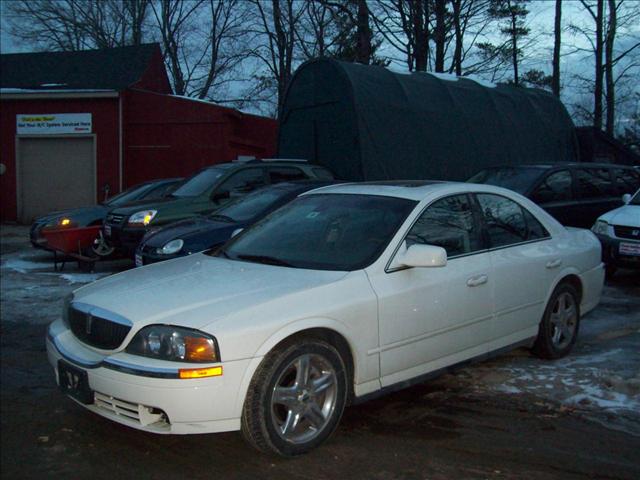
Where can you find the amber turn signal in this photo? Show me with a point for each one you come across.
(200, 372)
(199, 349)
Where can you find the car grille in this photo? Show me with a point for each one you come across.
(135, 412)
(97, 331)
(622, 231)
(115, 219)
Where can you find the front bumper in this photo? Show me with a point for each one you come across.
(611, 252)
(131, 390)
(124, 239)
(36, 238)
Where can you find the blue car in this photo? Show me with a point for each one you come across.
(95, 214)
(205, 232)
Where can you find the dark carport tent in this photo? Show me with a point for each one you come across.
(369, 123)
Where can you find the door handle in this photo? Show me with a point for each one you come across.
(477, 280)
(554, 263)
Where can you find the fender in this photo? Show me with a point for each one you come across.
(285, 332)
(565, 272)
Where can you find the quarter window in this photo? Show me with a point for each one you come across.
(448, 223)
(554, 188)
(507, 222)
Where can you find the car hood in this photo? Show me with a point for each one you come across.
(199, 228)
(156, 204)
(197, 290)
(628, 215)
(82, 215)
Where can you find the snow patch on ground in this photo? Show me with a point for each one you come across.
(21, 265)
(82, 277)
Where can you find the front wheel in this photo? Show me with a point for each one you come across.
(558, 329)
(296, 398)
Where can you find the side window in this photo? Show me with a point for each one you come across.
(554, 188)
(448, 223)
(285, 174)
(594, 182)
(507, 222)
(240, 184)
(158, 192)
(536, 230)
(627, 180)
(322, 173)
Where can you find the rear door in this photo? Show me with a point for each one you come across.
(596, 193)
(524, 258)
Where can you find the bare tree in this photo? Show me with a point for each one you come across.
(557, 37)
(77, 24)
(615, 68)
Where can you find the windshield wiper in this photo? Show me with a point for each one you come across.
(265, 259)
(222, 218)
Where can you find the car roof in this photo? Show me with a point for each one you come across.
(562, 165)
(409, 189)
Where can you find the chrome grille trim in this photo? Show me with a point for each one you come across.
(624, 231)
(96, 326)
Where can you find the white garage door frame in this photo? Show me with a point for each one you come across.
(92, 136)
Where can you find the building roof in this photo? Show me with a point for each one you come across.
(110, 68)
(369, 123)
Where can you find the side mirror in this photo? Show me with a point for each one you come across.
(626, 198)
(423, 256)
(236, 232)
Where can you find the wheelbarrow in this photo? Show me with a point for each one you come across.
(72, 242)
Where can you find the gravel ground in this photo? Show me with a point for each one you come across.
(512, 417)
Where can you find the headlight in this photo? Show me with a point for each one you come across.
(176, 344)
(600, 227)
(65, 222)
(66, 304)
(142, 218)
(172, 247)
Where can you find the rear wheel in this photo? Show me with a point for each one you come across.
(296, 398)
(558, 329)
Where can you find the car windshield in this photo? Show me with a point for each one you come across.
(128, 195)
(323, 231)
(519, 179)
(199, 183)
(245, 208)
(635, 200)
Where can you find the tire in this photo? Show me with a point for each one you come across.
(560, 323)
(289, 412)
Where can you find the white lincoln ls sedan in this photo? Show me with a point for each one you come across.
(349, 291)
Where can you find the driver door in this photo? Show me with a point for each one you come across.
(433, 317)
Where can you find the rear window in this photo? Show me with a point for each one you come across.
(517, 179)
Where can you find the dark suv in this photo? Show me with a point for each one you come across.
(575, 194)
(203, 193)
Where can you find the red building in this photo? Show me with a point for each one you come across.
(76, 126)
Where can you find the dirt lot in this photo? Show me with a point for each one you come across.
(512, 417)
